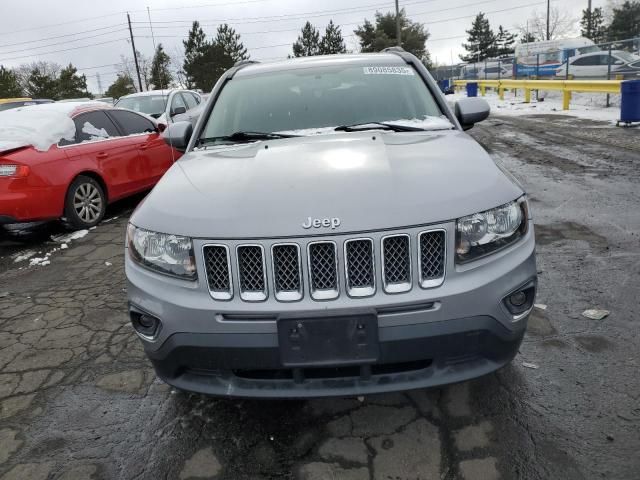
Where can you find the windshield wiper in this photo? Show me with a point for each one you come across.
(246, 137)
(377, 126)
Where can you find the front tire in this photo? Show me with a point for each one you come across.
(85, 203)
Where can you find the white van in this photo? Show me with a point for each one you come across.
(542, 59)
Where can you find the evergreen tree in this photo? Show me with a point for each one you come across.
(308, 43)
(160, 73)
(505, 42)
(194, 48)
(481, 41)
(332, 41)
(9, 84)
(527, 37)
(383, 34)
(42, 83)
(229, 40)
(122, 85)
(626, 21)
(214, 61)
(70, 84)
(592, 25)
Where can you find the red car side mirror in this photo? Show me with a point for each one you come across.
(161, 127)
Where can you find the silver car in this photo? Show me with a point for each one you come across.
(330, 231)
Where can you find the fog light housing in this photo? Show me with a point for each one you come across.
(146, 325)
(520, 301)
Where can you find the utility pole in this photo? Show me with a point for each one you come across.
(590, 22)
(99, 83)
(398, 30)
(548, 9)
(135, 55)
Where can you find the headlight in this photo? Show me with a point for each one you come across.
(164, 253)
(485, 232)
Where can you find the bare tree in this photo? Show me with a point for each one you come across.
(24, 71)
(561, 24)
(127, 66)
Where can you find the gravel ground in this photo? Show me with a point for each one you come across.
(78, 399)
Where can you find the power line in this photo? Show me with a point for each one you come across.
(65, 49)
(64, 42)
(41, 27)
(61, 36)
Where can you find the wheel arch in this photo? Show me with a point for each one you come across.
(96, 176)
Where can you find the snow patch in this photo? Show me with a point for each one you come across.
(39, 125)
(69, 237)
(24, 256)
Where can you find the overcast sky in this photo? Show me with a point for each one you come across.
(95, 36)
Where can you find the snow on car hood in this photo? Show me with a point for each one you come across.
(370, 180)
(38, 125)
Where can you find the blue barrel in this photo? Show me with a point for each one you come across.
(472, 89)
(630, 102)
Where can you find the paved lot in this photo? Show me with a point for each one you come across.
(78, 399)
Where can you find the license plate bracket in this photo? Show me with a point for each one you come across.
(327, 341)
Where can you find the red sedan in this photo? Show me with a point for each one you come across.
(50, 170)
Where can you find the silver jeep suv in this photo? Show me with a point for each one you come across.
(331, 230)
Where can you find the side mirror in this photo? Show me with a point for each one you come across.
(618, 62)
(471, 110)
(161, 127)
(178, 111)
(177, 135)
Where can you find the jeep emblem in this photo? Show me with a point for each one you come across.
(321, 222)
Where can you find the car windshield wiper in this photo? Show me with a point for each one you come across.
(245, 137)
(377, 126)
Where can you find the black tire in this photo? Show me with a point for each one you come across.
(85, 203)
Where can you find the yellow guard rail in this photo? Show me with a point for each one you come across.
(567, 87)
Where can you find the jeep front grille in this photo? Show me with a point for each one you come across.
(287, 272)
(358, 255)
(323, 270)
(396, 263)
(432, 258)
(251, 273)
(326, 268)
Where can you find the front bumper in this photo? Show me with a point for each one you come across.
(411, 356)
(457, 331)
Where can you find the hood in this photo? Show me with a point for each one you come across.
(369, 180)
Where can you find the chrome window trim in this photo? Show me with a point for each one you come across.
(396, 287)
(359, 292)
(287, 295)
(326, 294)
(219, 294)
(253, 296)
(433, 282)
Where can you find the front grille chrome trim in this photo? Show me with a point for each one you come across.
(432, 282)
(286, 295)
(396, 287)
(359, 292)
(252, 295)
(224, 295)
(323, 294)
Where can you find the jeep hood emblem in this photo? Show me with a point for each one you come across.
(332, 223)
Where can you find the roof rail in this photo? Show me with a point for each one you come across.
(244, 62)
(393, 49)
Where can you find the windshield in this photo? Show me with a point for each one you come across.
(321, 98)
(626, 56)
(153, 105)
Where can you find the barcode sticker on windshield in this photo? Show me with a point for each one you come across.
(388, 71)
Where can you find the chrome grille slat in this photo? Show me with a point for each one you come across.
(287, 272)
(359, 267)
(431, 258)
(323, 270)
(251, 272)
(218, 269)
(396, 263)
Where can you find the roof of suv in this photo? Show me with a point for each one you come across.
(322, 61)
